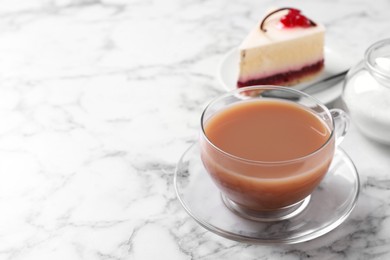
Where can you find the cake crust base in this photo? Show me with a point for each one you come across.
(287, 78)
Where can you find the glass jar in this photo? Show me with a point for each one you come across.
(366, 92)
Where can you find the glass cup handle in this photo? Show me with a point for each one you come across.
(341, 124)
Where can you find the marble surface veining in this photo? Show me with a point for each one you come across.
(99, 99)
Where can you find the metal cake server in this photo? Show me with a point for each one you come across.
(324, 83)
(310, 88)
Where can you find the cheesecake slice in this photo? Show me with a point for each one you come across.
(285, 49)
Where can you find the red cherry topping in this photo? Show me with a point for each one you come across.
(286, 21)
(293, 18)
(294, 11)
(302, 21)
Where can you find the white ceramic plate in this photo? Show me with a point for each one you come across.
(335, 63)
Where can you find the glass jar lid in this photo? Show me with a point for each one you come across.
(377, 59)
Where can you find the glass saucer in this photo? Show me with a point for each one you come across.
(329, 205)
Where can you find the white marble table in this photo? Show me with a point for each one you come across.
(99, 99)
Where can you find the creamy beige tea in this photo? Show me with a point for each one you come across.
(266, 154)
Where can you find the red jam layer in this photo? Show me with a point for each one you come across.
(285, 78)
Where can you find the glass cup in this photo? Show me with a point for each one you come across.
(270, 198)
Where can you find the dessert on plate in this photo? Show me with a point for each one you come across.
(285, 48)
